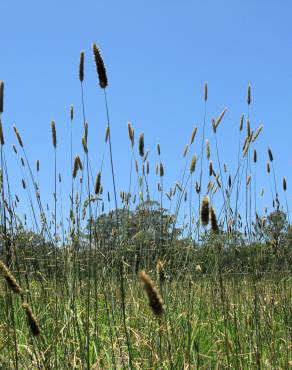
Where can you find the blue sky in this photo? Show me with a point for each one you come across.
(158, 55)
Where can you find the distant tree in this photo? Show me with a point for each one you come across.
(276, 227)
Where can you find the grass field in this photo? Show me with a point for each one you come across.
(122, 282)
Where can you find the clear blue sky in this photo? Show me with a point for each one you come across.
(158, 55)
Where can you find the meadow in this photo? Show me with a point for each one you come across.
(195, 276)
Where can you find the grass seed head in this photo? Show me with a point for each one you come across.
(193, 164)
(161, 169)
(141, 145)
(81, 66)
(76, 166)
(241, 123)
(220, 118)
(100, 68)
(10, 279)
(2, 142)
(18, 136)
(98, 183)
(214, 223)
(193, 135)
(205, 211)
(258, 131)
(71, 112)
(107, 132)
(154, 296)
(248, 128)
(210, 168)
(1, 96)
(32, 320)
(84, 144)
(54, 134)
(270, 154)
(131, 133)
(284, 184)
(158, 149)
(248, 94)
(160, 271)
(208, 152)
(206, 91)
(268, 167)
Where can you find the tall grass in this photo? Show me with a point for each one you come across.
(216, 277)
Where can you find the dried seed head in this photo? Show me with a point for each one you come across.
(146, 156)
(160, 271)
(158, 149)
(248, 128)
(193, 164)
(205, 211)
(258, 131)
(255, 156)
(206, 91)
(1, 96)
(248, 95)
(32, 320)
(76, 166)
(100, 68)
(268, 167)
(208, 152)
(14, 149)
(220, 117)
(1, 134)
(97, 183)
(10, 279)
(71, 112)
(54, 134)
(107, 132)
(141, 145)
(38, 165)
(198, 188)
(214, 224)
(241, 123)
(246, 148)
(86, 131)
(131, 133)
(23, 184)
(193, 135)
(84, 144)
(270, 154)
(154, 296)
(185, 150)
(81, 66)
(213, 122)
(22, 161)
(284, 184)
(248, 180)
(161, 170)
(18, 136)
(210, 168)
